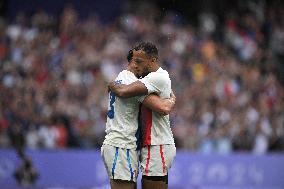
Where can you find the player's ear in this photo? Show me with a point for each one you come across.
(154, 60)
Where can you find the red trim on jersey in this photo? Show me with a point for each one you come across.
(163, 159)
(148, 161)
(146, 115)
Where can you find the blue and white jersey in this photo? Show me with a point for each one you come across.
(122, 116)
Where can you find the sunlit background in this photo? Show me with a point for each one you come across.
(225, 60)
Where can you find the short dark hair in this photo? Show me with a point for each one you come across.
(149, 48)
(130, 55)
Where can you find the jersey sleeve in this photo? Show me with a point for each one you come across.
(154, 82)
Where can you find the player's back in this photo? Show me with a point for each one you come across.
(122, 117)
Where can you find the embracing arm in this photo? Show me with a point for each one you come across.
(162, 106)
(136, 88)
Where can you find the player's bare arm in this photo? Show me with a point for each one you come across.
(162, 106)
(136, 88)
(152, 101)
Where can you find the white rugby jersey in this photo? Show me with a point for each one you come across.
(122, 116)
(156, 127)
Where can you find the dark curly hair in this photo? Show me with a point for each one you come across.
(129, 56)
(149, 48)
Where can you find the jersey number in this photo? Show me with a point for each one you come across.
(110, 113)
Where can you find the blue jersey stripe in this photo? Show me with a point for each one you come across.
(114, 162)
(129, 164)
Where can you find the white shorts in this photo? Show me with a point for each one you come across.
(120, 163)
(156, 160)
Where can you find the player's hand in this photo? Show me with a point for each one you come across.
(110, 85)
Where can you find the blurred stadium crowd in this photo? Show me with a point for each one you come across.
(54, 71)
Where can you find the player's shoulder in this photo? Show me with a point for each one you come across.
(160, 74)
(160, 71)
(125, 73)
(158, 78)
(164, 72)
(126, 76)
